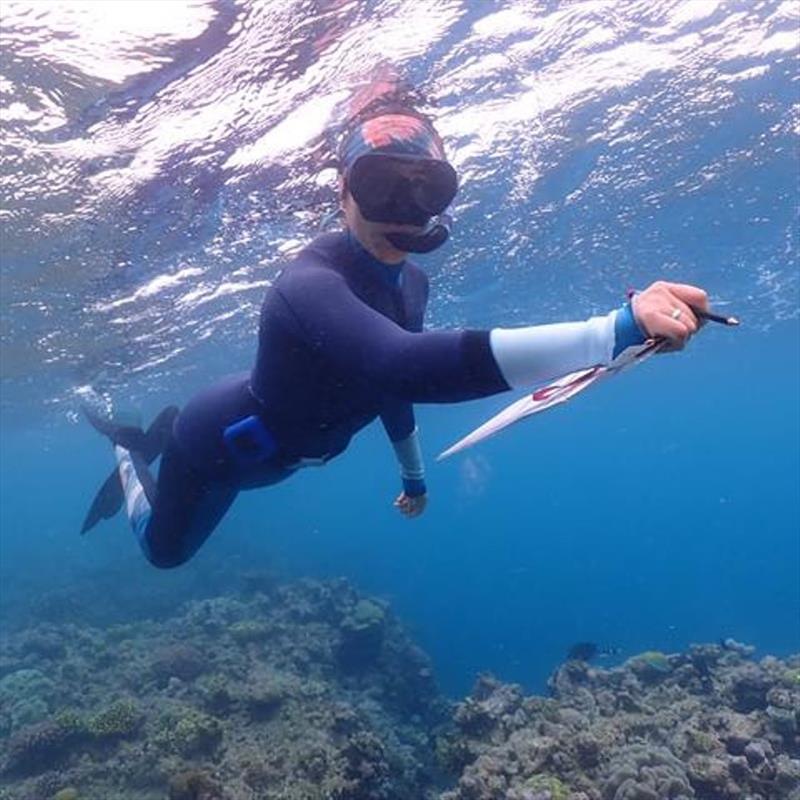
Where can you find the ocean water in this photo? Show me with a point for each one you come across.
(158, 162)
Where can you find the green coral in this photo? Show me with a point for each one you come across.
(547, 784)
(117, 720)
(248, 631)
(791, 678)
(700, 741)
(367, 613)
(654, 659)
(70, 720)
(189, 732)
(651, 666)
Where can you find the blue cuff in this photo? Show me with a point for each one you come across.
(413, 487)
(627, 332)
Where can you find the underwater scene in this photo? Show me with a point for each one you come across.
(262, 262)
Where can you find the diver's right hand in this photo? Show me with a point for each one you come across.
(664, 311)
(411, 506)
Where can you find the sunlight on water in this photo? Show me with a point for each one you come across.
(82, 35)
(157, 166)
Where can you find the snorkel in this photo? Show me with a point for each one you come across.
(392, 162)
(435, 234)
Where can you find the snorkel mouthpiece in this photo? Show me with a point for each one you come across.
(435, 235)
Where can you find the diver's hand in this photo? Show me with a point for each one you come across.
(664, 311)
(411, 506)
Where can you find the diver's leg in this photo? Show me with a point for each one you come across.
(206, 514)
(136, 481)
(159, 433)
(184, 513)
(137, 445)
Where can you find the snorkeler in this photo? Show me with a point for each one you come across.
(341, 342)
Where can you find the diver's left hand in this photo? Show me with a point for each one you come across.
(411, 506)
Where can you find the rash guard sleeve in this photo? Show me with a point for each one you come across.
(398, 420)
(412, 467)
(527, 356)
(426, 367)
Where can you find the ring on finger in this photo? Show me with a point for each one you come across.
(676, 313)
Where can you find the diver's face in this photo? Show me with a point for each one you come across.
(372, 235)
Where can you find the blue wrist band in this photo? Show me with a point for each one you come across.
(627, 332)
(414, 487)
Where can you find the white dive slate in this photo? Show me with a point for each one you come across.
(555, 393)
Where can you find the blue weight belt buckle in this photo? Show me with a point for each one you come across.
(249, 441)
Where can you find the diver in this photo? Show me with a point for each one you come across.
(341, 342)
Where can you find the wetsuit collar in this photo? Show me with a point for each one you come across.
(390, 273)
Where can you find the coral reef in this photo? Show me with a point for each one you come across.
(709, 724)
(70, 793)
(187, 732)
(182, 661)
(118, 720)
(193, 785)
(307, 691)
(25, 698)
(361, 635)
(38, 747)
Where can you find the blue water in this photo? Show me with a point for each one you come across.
(155, 171)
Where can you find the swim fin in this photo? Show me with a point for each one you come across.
(131, 437)
(150, 444)
(107, 502)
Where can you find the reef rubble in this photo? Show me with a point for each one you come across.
(310, 691)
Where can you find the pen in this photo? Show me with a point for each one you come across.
(707, 315)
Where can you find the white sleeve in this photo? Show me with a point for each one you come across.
(527, 356)
(409, 456)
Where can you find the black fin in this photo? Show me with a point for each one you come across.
(128, 436)
(109, 499)
(107, 502)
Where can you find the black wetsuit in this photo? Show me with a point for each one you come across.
(340, 343)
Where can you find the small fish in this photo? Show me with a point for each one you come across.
(586, 651)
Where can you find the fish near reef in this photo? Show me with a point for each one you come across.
(586, 651)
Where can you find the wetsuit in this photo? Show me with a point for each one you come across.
(340, 343)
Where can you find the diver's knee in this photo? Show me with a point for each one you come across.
(166, 559)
